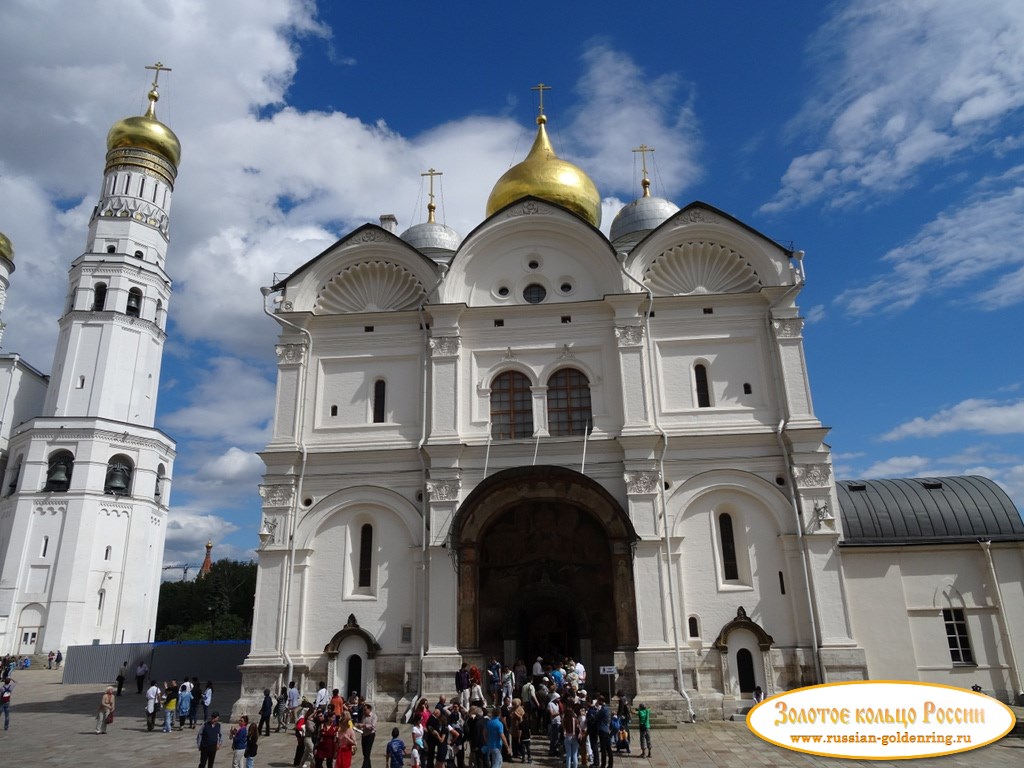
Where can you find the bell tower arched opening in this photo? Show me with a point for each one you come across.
(544, 558)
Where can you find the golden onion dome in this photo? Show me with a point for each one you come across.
(146, 132)
(542, 174)
(6, 249)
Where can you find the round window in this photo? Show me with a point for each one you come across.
(566, 287)
(533, 264)
(534, 293)
(503, 291)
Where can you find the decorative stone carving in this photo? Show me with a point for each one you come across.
(698, 216)
(566, 353)
(509, 355)
(813, 475)
(374, 236)
(789, 328)
(701, 268)
(645, 482)
(290, 354)
(371, 286)
(528, 208)
(444, 490)
(629, 335)
(270, 525)
(277, 495)
(445, 346)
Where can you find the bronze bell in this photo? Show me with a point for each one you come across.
(117, 479)
(134, 302)
(58, 473)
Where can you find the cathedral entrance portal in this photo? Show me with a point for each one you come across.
(545, 568)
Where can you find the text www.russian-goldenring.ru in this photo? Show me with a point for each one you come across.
(885, 739)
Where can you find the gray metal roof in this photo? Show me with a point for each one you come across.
(926, 510)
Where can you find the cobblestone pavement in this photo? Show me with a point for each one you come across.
(54, 725)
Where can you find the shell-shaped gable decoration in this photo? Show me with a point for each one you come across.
(701, 268)
(370, 286)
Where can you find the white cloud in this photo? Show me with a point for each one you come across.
(229, 400)
(904, 85)
(974, 248)
(815, 314)
(187, 534)
(972, 415)
(900, 466)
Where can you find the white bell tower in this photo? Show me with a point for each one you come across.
(84, 545)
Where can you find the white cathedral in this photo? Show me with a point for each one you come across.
(85, 474)
(541, 441)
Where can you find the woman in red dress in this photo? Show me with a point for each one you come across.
(327, 745)
(346, 745)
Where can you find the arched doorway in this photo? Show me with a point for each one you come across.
(351, 651)
(544, 558)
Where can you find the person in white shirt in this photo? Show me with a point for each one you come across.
(323, 698)
(153, 696)
(538, 667)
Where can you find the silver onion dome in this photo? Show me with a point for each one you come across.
(638, 218)
(431, 238)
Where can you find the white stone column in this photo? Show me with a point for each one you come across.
(289, 369)
(444, 387)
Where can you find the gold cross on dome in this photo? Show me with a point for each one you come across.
(540, 88)
(643, 149)
(430, 206)
(157, 69)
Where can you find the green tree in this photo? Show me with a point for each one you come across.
(217, 606)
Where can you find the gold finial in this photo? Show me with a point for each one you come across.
(540, 88)
(430, 206)
(154, 93)
(643, 149)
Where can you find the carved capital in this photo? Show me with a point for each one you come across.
(645, 482)
(277, 495)
(789, 328)
(290, 354)
(813, 475)
(629, 335)
(445, 346)
(444, 490)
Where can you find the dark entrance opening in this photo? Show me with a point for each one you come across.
(354, 673)
(545, 572)
(545, 568)
(745, 670)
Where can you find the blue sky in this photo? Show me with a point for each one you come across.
(884, 139)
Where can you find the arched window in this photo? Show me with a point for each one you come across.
(46, 546)
(159, 488)
(119, 475)
(99, 606)
(511, 407)
(730, 569)
(694, 626)
(569, 403)
(700, 380)
(12, 486)
(134, 307)
(379, 400)
(99, 297)
(106, 553)
(365, 556)
(58, 472)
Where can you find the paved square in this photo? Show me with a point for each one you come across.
(54, 725)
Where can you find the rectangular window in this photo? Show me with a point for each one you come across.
(956, 636)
